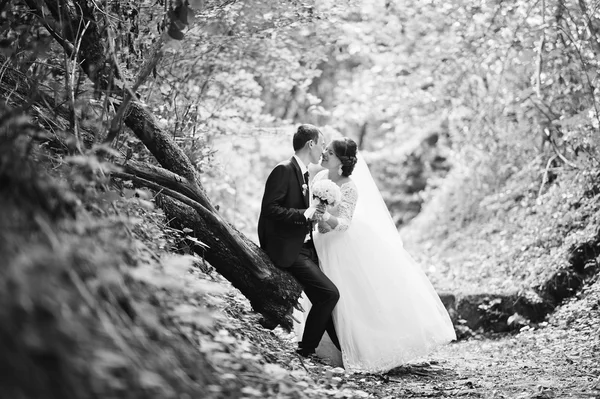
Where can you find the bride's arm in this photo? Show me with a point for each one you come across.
(346, 210)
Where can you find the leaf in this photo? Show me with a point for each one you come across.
(251, 391)
(145, 204)
(168, 279)
(197, 4)
(150, 380)
(193, 315)
(206, 287)
(196, 241)
(516, 319)
(109, 196)
(108, 366)
(275, 370)
(92, 163)
(128, 193)
(182, 262)
(171, 43)
(104, 148)
(143, 194)
(110, 276)
(579, 119)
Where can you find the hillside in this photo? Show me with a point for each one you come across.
(136, 137)
(100, 301)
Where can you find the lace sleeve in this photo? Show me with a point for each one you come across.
(346, 208)
(344, 211)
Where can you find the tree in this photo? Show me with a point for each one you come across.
(95, 46)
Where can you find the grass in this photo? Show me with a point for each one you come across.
(512, 238)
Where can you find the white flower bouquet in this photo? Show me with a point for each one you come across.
(325, 192)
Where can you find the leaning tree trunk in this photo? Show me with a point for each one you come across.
(269, 289)
(272, 296)
(271, 292)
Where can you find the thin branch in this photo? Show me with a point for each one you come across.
(167, 191)
(71, 72)
(505, 56)
(559, 154)
(117, 122)
(37, 10)
(538, 69)
(587, 78)
(545, 176)
(166, 179)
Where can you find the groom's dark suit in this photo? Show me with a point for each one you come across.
(282, 229)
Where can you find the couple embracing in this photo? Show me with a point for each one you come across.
(376, 304)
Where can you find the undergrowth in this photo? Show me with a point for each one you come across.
(513, 236)
(100, 299)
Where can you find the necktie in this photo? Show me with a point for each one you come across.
(309, 223)
(306, 198)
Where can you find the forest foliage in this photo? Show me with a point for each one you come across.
(512, 79)
(479, 121)
(455, 104)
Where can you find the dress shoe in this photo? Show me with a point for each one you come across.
(305, 352)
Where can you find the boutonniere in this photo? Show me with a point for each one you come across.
(304, 189)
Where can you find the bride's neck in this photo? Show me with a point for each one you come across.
(334, 176)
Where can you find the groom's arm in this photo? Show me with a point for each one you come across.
(275, 193)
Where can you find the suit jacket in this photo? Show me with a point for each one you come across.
(282, 226)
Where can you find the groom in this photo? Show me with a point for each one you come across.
(285, 234)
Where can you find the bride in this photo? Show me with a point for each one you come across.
(388, 312)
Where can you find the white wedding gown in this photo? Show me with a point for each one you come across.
(388, 312)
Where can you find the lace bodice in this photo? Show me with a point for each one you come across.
(344, 210)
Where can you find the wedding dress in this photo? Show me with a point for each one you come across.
(388, 312)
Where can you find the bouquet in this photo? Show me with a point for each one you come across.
(325, 192)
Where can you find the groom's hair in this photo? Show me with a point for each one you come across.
(304, 134)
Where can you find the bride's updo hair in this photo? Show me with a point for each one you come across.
(345, 149)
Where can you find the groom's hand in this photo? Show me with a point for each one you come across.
(317, 216)
(321, 208)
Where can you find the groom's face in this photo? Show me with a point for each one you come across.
(317, 149)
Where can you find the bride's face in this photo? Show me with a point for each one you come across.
(328, 159)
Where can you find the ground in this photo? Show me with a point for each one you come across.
(105, 305)
(556, 359)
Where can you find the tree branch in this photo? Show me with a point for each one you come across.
(180, 190)
(117, 122)
(205, 213)
(166, 179)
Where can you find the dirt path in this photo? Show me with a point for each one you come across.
(547, 363)
(557, 359)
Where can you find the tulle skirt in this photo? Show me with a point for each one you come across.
(388, 312)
